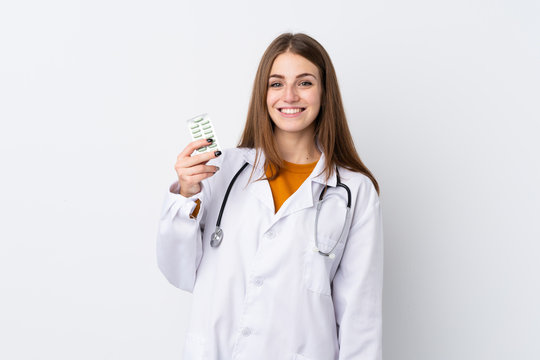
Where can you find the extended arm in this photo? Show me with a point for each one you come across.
(179, 240)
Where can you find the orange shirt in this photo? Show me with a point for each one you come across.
(290, 177)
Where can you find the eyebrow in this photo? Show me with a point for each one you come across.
(299, 76)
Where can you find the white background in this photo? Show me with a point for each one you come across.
(443, 101)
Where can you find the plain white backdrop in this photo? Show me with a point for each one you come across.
(443, 101)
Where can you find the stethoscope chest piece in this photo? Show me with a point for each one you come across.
(216, 238)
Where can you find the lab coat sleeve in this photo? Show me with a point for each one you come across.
(357, 285)
(179, 244)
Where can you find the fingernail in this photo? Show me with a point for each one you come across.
(217, 153)
(217, 168)
(210, 140)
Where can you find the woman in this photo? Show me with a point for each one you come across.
(286, 282)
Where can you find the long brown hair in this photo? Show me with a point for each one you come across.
(331, 129)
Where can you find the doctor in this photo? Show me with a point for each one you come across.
(289, 280)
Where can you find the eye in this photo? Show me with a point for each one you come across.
(275, 84)
(306, 83)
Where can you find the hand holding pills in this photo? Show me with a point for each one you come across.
(192, 169)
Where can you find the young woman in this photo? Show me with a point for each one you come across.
(292, 267)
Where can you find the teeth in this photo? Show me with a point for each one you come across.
(291, 111)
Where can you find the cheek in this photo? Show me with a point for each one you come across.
(315, 99)
(271, 100)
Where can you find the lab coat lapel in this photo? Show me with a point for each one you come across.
(308, 193)
(259, 189)
(303, 198)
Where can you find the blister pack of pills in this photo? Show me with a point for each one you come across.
(200, 127)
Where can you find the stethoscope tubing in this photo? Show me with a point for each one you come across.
(217, 236)
(226, 197)
(319, 205)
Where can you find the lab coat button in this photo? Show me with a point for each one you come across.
(246, 331)
(258, 282)
(270, 235)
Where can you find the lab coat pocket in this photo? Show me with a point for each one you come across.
(194, 348)
(318, 268)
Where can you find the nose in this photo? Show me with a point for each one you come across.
(291, 94)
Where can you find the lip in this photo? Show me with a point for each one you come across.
(295, 114)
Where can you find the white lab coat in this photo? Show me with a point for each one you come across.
(264, 294)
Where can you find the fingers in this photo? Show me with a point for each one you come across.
(191, 170)
(191, 184)
(198, 159)
(185, 169)
(186, 160)
(200, 177)
(200, 169)
(194, 145)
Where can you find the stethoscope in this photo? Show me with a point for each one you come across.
(217, 236)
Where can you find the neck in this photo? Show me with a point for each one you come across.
(297, 148)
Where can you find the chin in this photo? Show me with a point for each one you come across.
(290, 128)
(291, 124)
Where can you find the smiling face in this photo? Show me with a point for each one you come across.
(294, 94)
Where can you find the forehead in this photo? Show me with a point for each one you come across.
(290, 64)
